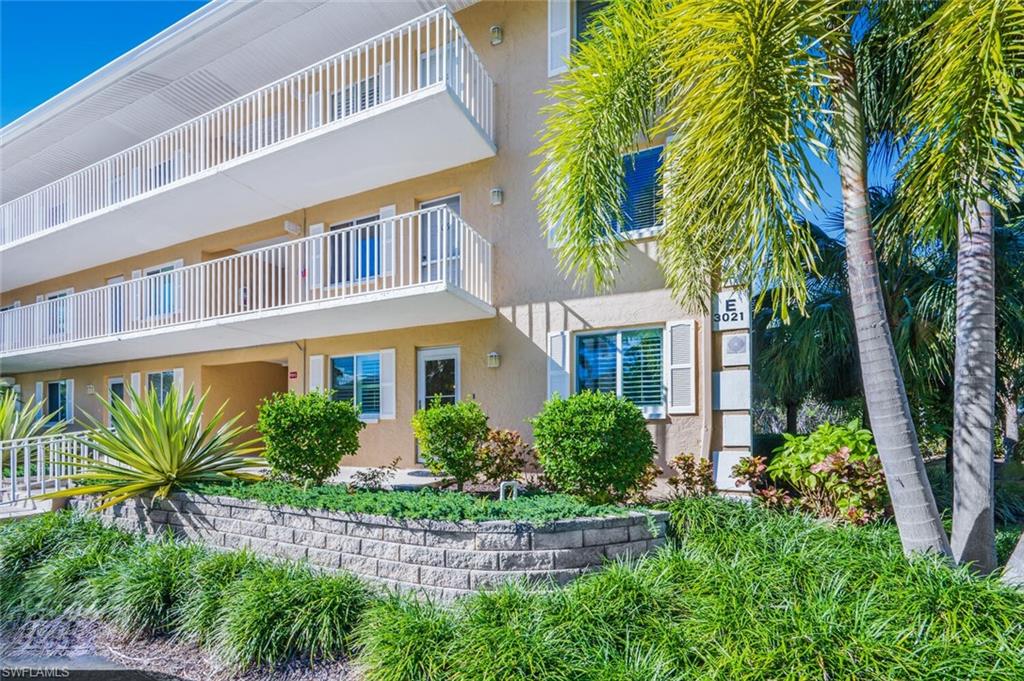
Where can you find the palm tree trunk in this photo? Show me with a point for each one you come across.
(1013, 573)
(792, 411)
(1011, 427)
(974, 394)
(917, 517)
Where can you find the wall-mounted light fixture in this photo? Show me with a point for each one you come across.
(493, 360)
(497, 196)
(292, 228)
(497, 35)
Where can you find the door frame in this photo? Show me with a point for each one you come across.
(111, 381)
(423, 354)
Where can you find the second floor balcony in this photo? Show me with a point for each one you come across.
(410, 102)
(424, 267)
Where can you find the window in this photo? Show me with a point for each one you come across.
(355, 254)
(15, 304)
(357, 378)
(160, 382)
(642, 191)
(115, 390)
(627, 363)
(57, 400)
(585, 12)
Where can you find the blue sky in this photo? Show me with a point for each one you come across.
(83, 35)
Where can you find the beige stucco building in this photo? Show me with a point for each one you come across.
(295, 196)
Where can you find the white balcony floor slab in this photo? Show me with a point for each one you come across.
(421, 305)
(411, 136)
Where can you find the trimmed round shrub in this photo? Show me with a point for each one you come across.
(449, 436)
(308, 435)
(594, 445)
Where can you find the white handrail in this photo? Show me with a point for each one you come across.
(424, 52)
(33, 466)
(428, 246)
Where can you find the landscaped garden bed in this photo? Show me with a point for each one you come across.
(741, 593)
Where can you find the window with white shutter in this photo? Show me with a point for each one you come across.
(558, 364)
(642, 191)
(559, 35)
(358, 378)
(627, 363)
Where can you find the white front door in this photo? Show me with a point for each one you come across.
(437, 376)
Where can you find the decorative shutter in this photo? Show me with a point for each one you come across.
(558, 364)
(558, 35)
(387, 384)
(316, 373)
(680, 348)
(40, 298)
(136, 381)
(39, 397)
(315, 257)
(555, 238)
(179, 382)
(387, 239)
(69, 402)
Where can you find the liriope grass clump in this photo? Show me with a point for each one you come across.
(198, 611)
(284, 611)
(140, 593)
(421, 632)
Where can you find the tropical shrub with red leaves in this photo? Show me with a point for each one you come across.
(693, 477)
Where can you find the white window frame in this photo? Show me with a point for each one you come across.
(365, 417)
(658, 226)
(650, 412)
(160, 373)
(11, 306)
(111, 382)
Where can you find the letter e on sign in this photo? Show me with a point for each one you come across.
(730, 310)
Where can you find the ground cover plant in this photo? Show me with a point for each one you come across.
(429, 504)
(746, 594)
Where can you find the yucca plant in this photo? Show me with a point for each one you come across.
(27, 420)
(159, 446)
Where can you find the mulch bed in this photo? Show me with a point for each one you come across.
(68, 638)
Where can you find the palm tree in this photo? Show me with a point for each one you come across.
(749, 90)
(963, 121)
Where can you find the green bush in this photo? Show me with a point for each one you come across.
(835, 472)
(308, 435)
(279, 612)
(594, 445)
(450, 436)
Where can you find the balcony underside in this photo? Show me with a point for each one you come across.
(411, 136)
(395, 309)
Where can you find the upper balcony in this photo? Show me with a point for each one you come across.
(412, 101)
(425, 267)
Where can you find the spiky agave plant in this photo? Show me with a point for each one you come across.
(27, 420)
(158, 447)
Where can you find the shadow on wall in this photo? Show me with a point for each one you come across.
(243, 386)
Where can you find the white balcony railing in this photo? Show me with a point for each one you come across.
(425, 52)
(431, 246)
(36, 465)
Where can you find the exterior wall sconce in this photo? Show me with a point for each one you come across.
(497, 35)
(497, 196)
(493, 360)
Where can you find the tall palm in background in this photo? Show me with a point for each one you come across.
(750, 89)
(963, 123)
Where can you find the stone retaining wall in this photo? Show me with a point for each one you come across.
(441, 558)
